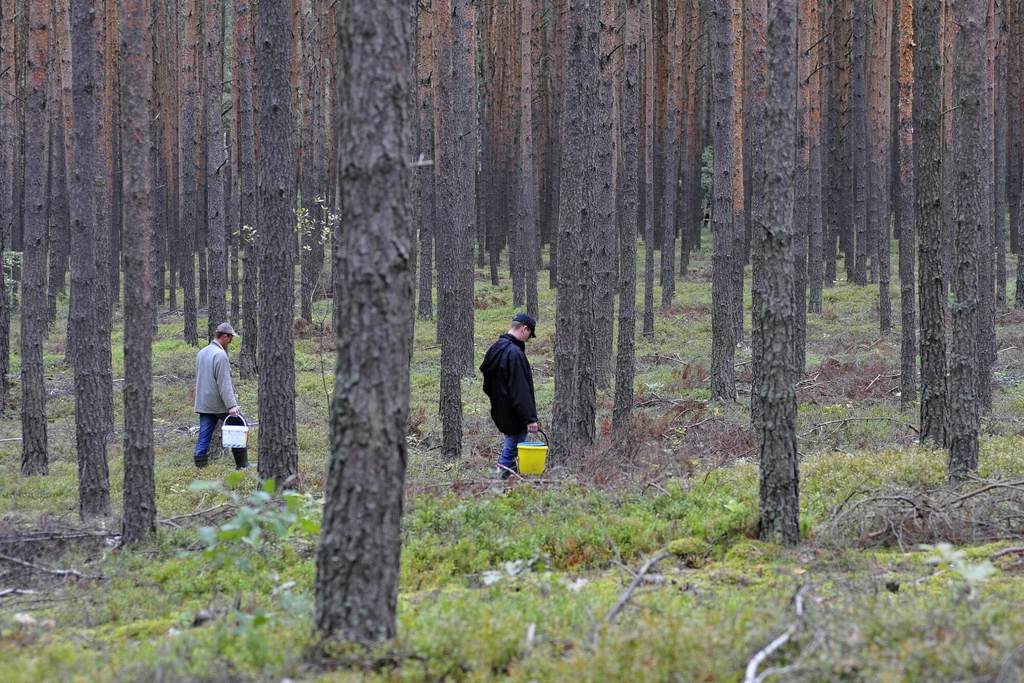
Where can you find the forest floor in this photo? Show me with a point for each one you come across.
(641, 566)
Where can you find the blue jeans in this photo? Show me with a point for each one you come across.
(207, 423)
(510, 450)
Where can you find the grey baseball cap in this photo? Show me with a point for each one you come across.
(225, 328)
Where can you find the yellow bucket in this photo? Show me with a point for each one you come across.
(532, 455)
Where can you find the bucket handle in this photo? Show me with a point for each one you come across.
(540, 431)
(239, 418)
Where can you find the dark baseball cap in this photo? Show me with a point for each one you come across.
(528, 321)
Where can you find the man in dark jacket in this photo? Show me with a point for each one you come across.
(508, 382)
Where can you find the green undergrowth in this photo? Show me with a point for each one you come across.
(520, 582)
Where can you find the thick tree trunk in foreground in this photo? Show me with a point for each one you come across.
(779, 477)
(358, 560)
(928, 138)
(139, 516)
(275, 65)
(969, 84)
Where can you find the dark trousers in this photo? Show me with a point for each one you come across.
(207, 424)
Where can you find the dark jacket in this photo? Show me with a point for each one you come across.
(508, 381)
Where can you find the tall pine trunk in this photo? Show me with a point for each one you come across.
(139, 517)
(36, 210)
(575, 382)
(213, 74)
(779, 476)
(86, 314)
(969, 86)
(358, 559)
(629, 193)
(929, 193)
(723, 347)
(248, 200)
(905, 207)
(276, 64)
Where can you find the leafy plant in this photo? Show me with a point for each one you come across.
(263, 519)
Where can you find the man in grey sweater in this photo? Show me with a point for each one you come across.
(215, 397)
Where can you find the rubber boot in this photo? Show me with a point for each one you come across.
(241, 458)
(202, 459)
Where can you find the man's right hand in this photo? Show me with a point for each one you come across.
(532, 427)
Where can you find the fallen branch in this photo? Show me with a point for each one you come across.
(637, 578)
(56, 572)
(170, 521)
(15, 591)
(765, 653)
(1017, 550)
(819, 425)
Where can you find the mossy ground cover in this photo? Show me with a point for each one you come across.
(517, 582)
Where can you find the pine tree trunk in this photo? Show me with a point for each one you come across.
(528, 155)
(779, 477)
(7, 150)
(756, 18)
(629, 192)
(986, 238)
(606, 253)
(87, 286)
(740, 244)
(905, 208)
(647, 165)
(358, 559)
(450, 180)
(929, 192)
(60, 217)
(859, 142)
(575, 382)
(815, 227)
(213, 73)
(969, 84)
(276, 64)
(248, 200)
(999, 164)
(879, 208)
(139, 484)
(463, 71)
(189, 168)
(723, 346)
(425, 176)
(33, 283)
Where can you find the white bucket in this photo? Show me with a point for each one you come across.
(235, 435)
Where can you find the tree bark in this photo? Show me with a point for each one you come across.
(606, 251)
(213, 73)
(929, 193)
(779, 476)
(425, 176)
(629, 192)
(969, 85)
(528, 156)
(139, 517)
(7, 151)
(33, 283)
(276, 64)
(87, 286)
(358, 559)
(815, 226)
(756, 18)
(248, 199)
(647, 163)
(723, 346)
(880, 138)
(189, 168)
(905, 208)
(575, 382)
